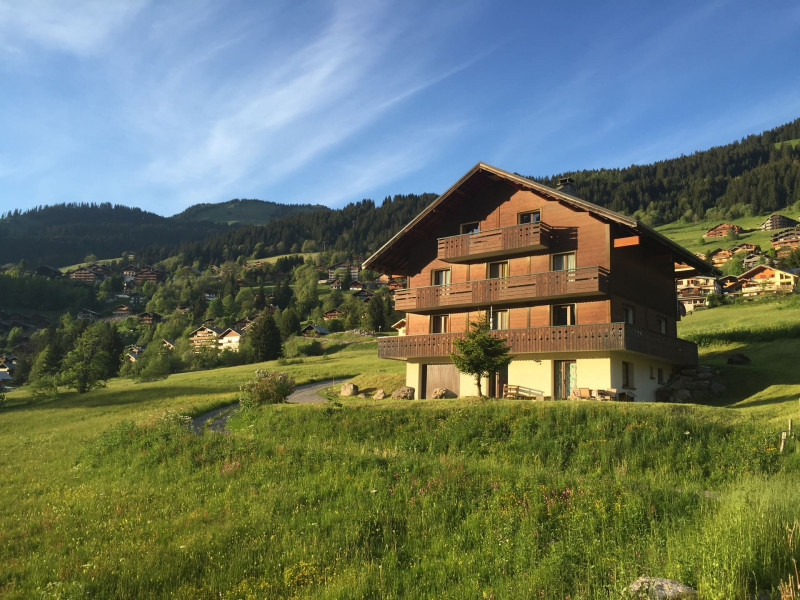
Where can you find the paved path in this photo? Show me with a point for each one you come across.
(218, 418)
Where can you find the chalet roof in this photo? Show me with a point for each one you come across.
(754, 270)
(393, 255)
(317, 328)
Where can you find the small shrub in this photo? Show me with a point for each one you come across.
(313, 348)
(268, 387)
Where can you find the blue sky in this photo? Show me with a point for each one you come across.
(164, 104)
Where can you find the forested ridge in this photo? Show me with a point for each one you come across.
(759, 174)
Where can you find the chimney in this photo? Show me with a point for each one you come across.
(566, 185)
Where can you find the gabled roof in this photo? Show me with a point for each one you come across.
(393, 255)
(754, 270)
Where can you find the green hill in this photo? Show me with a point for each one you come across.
(252, 212)
(395, 499)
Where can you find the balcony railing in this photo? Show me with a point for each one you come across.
(588, 281)
(544, 340)
(505, 241)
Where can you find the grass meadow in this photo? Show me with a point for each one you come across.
(111, 495)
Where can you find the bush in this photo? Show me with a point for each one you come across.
(267, 388)
(313, 348)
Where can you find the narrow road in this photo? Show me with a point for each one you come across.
(216, 420)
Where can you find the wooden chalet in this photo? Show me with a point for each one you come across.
(89, 315)
(719, 256)
(204, 337)
(753, 259)
(122, 311)
(788, 239)
(693, 291)
(312, 330)
(722, 230)
(150, 318)
(49, 272)
(777, 221)
(87, 275)
(229, 339)
(584, 297)
(333, 313)
(765, 279)
(745, 247)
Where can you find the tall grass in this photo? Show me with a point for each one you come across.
(457, 499)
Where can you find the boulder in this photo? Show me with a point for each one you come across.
(654, 588)
(349, 389)
(738, 359)
(379, 395)
(362, 395)
(443, 393)
(404, 393)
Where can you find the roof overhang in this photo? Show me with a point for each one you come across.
(393, 255)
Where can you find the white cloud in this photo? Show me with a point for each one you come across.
(79, 27)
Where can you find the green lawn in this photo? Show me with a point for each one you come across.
(109, 495)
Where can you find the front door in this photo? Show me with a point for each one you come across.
(497, 382)
(564, 378)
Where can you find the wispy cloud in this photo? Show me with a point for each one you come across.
(81, 27)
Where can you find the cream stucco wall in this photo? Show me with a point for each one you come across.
(594, 371)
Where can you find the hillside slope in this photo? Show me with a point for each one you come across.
(252, 212)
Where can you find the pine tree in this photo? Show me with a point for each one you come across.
(479, 354)
(265, 338)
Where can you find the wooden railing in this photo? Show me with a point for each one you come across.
(494, 242)
(541, 340)
(588, 281)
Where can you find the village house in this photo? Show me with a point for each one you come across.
(584, 297)
(785, 241)
(730, 285)
(745, 247)
(333, 313)
(312, 330)
(204, 337)
(753, 259)
(150, 318)
(122, 311)
(722, 230)
(353, 269)
(693, 291)
(229, 339)
(719, 256)
(776, 221)
(764, 279)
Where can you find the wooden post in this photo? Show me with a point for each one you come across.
(790, 425)
(783, 440)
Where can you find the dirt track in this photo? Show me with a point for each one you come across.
(217, 419)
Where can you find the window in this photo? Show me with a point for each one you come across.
(628, 314)
(533, 216)
(497, 270)
(662, 325)
(498, 319)
(627, 375)
(660, 376)
(440, 277)
(439, 323)
(564, 261)
(470, 227)
(563, 314)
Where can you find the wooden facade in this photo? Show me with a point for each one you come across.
(556, 276)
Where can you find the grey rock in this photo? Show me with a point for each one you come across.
(443, 393)
(349, 389)
(654, 588)
(738, 359)
(404, 393)
(379, 395)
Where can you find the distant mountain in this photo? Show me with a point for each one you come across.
(250, 212)
(64, 234)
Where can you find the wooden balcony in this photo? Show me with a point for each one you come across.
(599, 337)
(505, 241)
(551, 285)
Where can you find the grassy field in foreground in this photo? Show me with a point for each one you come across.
(109, 495)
